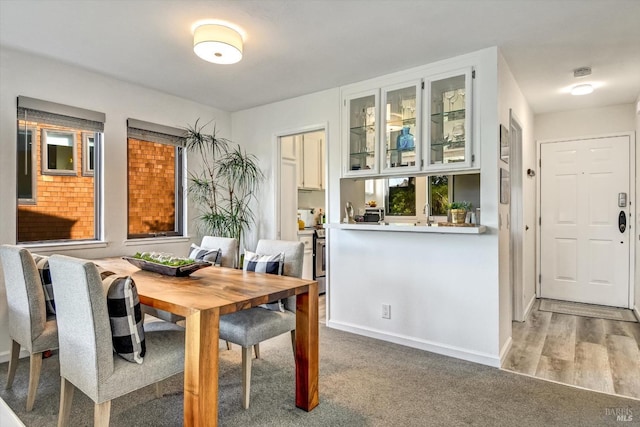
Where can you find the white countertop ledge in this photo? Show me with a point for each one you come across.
(409, 228)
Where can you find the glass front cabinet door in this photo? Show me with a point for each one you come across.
(401, 127)
(449, 135)
(362, 140)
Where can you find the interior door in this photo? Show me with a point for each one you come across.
(585, 254)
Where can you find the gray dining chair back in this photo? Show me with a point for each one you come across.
(228, 246)
(28, 324)
(87, 360)
(248, 328)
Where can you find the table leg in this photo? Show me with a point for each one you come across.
(307, 356)
(201, 368)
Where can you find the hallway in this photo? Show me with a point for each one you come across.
(597, 354)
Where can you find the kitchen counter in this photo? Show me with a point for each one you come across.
(307, 231)
(409, 227)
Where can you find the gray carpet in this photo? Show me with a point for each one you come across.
(363, 382)
(587, 310)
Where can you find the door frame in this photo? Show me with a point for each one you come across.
(516, 229)
(277, 155)
(631, 197)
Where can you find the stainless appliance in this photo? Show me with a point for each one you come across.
(319, 259)
(373, 214)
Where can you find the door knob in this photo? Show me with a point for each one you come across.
(622, 221)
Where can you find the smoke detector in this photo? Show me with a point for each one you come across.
(582, 71)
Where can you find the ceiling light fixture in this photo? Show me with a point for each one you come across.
(583, 89)
(217, 43)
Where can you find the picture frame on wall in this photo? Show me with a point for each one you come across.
(505, 186)
(504, 144)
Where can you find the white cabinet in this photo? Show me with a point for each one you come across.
(414, 123)
(360, 136)
(310, 147)
(448, 144)
(307, 265)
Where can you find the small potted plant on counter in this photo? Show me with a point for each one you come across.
(458, 211)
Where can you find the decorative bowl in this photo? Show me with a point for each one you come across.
(167, 270)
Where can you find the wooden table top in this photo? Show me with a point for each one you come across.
(228, 289)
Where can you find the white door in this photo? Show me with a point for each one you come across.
(584, 255)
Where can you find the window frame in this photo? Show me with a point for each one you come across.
(179, 230)
(44, 156)
(34, 166)
(86, 158)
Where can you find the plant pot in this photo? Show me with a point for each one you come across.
(458, 216)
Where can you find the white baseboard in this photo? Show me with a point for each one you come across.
(4, 356)
(636, 311)
(505, 349)
(434, 347)
(529, 307)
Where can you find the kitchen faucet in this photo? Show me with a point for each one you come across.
(426, 211)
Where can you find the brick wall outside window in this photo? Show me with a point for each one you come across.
(64, 208)
(151, 187)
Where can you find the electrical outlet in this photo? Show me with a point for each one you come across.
(386, 311)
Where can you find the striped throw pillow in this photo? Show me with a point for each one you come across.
(42, 262)
(125, 316)
(271, 264)
(214, 256)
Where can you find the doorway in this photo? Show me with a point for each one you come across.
(516, 230)
(586, 209)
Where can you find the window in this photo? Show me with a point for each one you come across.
(88, 153)
(26, 160)
(438, 195)
(401, 197)
(411, 198)
(155, 176)
(58, 152)
(55, 201)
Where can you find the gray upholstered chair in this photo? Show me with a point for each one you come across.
(87, 360)
(248, 328)
(28, 324)
(229, 248)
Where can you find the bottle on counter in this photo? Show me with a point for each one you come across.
(300, 223)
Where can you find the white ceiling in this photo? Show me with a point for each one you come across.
(295, 47)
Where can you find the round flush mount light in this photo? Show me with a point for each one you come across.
(217, 43)
(583, 89)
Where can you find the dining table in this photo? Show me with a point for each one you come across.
(205, 295)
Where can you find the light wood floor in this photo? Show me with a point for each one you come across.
(598, 354)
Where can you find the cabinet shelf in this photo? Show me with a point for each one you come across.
(449, 115)
(448, 144)
(362, 153)
(400, 123)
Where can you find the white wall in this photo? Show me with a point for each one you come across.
(257, 129)
(37, 77)
(637, 281)
(511, 97)
(585, 122)
(442, 289)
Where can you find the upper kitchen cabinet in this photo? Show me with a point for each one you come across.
(449, 127)
(311, 163)
(361, 133)
(401, 150)
(419, 121)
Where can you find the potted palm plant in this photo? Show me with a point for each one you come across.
(458, 211)
(225, 185)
